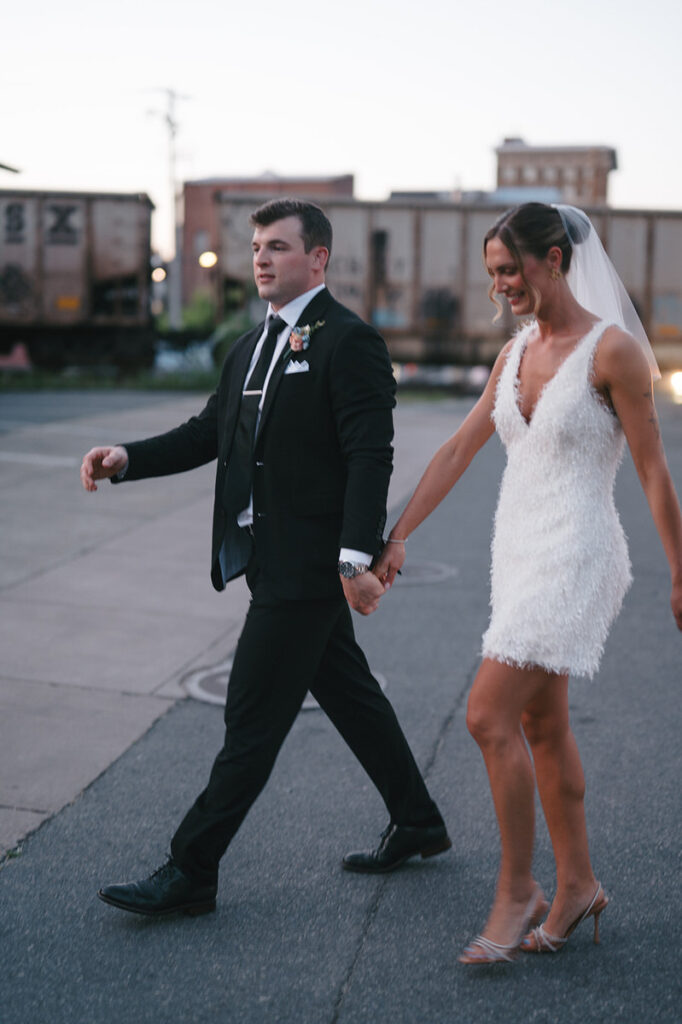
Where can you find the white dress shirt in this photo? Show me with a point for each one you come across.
(290, 314)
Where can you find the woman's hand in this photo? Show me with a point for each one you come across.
(390, 560)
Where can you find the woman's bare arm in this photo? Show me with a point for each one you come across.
(621, 369)
(442, 473)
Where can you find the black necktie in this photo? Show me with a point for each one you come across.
(241, 463)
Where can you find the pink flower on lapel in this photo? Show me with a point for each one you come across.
(299, 339)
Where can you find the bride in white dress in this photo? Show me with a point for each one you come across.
(565, 395)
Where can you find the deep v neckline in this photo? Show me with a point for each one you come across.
(541, 394)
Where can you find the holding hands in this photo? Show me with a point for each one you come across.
(390, 562)
(363, 593)
(102, 463)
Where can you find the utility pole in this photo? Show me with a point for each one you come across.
(175, 266)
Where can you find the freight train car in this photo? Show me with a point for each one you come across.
(415, 270)
(74, 277)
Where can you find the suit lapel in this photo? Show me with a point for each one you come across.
(312, 312)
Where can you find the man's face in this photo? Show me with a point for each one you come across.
(282, 268)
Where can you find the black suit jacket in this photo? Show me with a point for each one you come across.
(323, 454)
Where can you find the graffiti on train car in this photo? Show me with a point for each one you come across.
(15, 287)
(440, 310)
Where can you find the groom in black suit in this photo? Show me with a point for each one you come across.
(301, 426)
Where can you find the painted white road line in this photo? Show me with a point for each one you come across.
(36, 459)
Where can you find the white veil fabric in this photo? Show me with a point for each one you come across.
(595, 283)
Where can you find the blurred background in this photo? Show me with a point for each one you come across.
(135, 141)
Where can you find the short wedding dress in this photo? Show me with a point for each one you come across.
(560, 565)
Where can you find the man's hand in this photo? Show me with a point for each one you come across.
(363, 593)
(390, 560)
(101, 463)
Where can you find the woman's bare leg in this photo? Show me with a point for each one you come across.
(561, 785)
(496, 703)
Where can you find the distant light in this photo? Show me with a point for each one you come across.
(158, 274)
(676, 383)
(208, 260)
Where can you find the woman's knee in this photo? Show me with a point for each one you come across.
(485, 723)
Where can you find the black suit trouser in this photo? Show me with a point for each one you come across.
(287, 648)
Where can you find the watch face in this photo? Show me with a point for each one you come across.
(349, 570)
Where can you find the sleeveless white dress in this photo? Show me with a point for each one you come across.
(560, 565)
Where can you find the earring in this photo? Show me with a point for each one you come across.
(555, 274)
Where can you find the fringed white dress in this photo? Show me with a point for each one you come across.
(560, 565)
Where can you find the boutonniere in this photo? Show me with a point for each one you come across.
(299, 339)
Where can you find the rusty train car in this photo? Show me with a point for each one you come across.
(75, 277)
(415, 270)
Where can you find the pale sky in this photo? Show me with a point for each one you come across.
(404, 95)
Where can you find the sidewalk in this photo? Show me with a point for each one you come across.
(105, 600)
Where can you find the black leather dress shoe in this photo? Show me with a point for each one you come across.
(398, 844)
(167, 891)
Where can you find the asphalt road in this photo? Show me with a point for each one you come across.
(295, 940)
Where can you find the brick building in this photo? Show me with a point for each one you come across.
(579, 173)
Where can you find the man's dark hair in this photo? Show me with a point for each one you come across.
(315, 226)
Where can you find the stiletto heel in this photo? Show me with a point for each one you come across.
(484, 951)
(540, 941)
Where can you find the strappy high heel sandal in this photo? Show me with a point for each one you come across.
(539, 941)
(484, 951)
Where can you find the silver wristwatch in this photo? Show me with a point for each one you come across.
(349, 570)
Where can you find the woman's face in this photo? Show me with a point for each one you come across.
(508, 280)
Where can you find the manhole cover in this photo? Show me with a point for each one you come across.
(420, 573)
(209, 684)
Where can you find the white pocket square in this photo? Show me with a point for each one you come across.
(295, 367)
